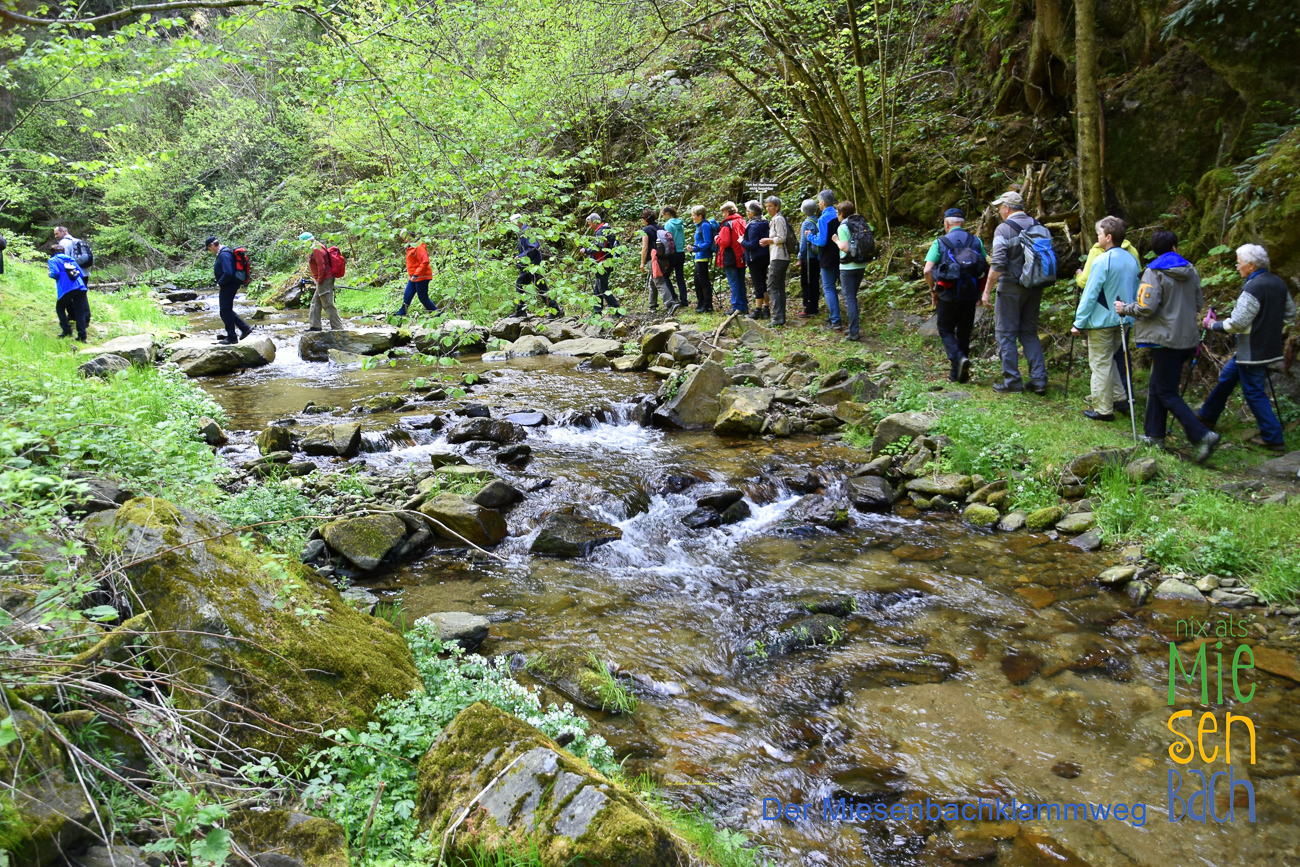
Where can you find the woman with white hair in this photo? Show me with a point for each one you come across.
(1262, 310)
(810, 289)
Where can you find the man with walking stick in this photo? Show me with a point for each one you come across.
(1113, 276)
(1262, 311)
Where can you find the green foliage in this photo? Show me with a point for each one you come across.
(990, 442)
(342, 780)
(1029, 493)
(614, 696)
(270, 501)
(1120, 503)
(193, 835)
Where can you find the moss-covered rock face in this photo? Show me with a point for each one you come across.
(544, 794)
(579, 675)
(1271, 212)
(50, 814)
(255, 635)
(365, 541)
(294, 838)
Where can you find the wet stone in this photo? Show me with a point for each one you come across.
(1067, 770)
(445, 459)
(735, 513)
(702, 518)
(919, 553)
(1117, 575)
(566, 535)
(1020, 666)
(515, 455)
(467, 630)
(871, 493)
(1088, 541)
(497, 495)
(1011, 522)
(1172, 588)
(1076, 523)
(720, 500)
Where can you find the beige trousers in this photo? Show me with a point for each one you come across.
(323, 299)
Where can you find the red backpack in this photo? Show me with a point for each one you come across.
(338, 265)
(243, 273)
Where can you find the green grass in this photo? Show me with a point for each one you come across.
(613, 695)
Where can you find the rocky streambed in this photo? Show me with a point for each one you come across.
(798, 620)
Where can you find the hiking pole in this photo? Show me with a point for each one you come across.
(1069, 368)
(1191, 371)
(1128, 382)
(1277, 407)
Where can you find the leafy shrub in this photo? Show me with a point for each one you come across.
(270, 501)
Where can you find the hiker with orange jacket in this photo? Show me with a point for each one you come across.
(418, 272)
(322, 271)
(731, 255)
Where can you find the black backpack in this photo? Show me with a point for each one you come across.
(83, 254)
(862, 241)
(960, 264)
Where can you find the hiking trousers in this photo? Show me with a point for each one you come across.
(1163, 397)
(758, 277)
(679, 274)
(527, 278)
(322, 300)
(1015, 318)
(956, 321)
(607, 299)
(1108, 388)
(1254, 388)
(229, 318)
(74, 309)
(776, 272)
(703, 286)
(850, 281)
(810, 293)
(662, 285)
(414, 289)
(736, 282)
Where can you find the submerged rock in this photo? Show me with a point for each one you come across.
(735, 513)
(820, 511)
(252, 645)
(568, 535)
(580, 676)
(702, 518)
(528, 791)
(817, 630)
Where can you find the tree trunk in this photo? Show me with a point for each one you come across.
(1088, 108)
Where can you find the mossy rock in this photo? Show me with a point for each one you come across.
(526, 790)
(251, 640)
(1041, 519)
(365, 541)
(295, 838)
(570, 535)
(51, 815)
(578, 674)
(460, 519)
(819, 630)
(981, 515)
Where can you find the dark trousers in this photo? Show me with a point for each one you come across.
(662, 285)
(703, 285)
(1254, 388)
(850, 281)
(527, 278)
(74, 308)
(810, 289)
(607, 298)
(226, 306)
(736, 283)
(1163, 397)
(679, 274)
(416, 288)
(758, 276)
(776, 289)
(956, 321)
(1015, 317)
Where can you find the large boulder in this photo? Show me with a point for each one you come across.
(585, 347)
(743, 411)
(333, 439)
(275, 438)
(138, 349)
(48, 813)
(527, 347)
(656, 337)
(199, 356)
(365, 541)
(521, 789)
(273, 657)
(569, 535)
(490, 429)
(900, 425)
(871, 494)
(1091, 464)
(459, 519)
(316, 345)
(276, 837)
(695, 406)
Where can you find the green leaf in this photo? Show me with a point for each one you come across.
(1219, 250)
(100, 613)
(8, 731)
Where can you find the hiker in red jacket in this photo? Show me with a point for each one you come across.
(318, 262)
(731, 255)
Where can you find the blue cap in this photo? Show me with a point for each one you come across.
(954, 213)
(306, 236)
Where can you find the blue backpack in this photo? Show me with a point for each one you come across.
(1040, 259)
(714, 228)
(961, 265)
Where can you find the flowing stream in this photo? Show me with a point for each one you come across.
(933, 694)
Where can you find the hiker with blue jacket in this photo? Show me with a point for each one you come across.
(702, 249)
(72, 306)
(828, 255)
(229, 281)
(1168, 299)
(1015, 315)
(955, 268)
(1262, 311)
(1113, 277)
(528, 260)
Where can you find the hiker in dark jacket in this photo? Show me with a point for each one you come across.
(72, 305)
(602, 240)
(1168, 299)
(528, 259)
(954, 300)
(702, 248)
(1262, 311)
(810, 287)
(828, 255)
(661, 272)
(757, 257)
(228, 286)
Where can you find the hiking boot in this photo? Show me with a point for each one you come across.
(65, 334)
(1039, 388)
(243, 334)
(1206, 447)
(223, 340)
(1154, 442)
(400, 313)
(854, 338)
(1264, 444)
(1098, 416)
(963, 369)
(1004, 388)
(757, 314)
(313, 329)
